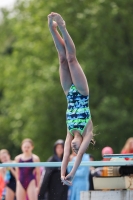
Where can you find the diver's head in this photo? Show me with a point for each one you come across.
(76, 142)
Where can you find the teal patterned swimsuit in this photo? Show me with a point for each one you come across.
(78, 112)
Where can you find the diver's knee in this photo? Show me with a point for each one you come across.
(71, 58)
(63, 58)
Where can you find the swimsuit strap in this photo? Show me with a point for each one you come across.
(29, 160)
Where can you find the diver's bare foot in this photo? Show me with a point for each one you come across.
(56, 17)
(52, 24)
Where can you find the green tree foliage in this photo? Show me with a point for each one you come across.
(32, 103)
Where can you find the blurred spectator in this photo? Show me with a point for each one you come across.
(103, 171)
(80, 181)
(107, 150)
(9, 175)
(28, 178)
(91, 157)
(52, 188)
(128, 147)
(91, 186)
(2, 184)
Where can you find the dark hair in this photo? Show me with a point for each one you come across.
(60, 141)
(91, 156)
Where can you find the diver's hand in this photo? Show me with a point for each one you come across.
(62, 178)
(67, 180)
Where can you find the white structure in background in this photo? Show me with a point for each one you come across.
(8, 4)
(113, 186)
(107, 195)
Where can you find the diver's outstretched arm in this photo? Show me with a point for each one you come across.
(86, 141)
(66, 155)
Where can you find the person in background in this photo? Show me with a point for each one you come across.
(80, 181)
(9, 174)
(52, 188)
(90, 175)
(103, 171)
(91, 159)
(128, 147)
(2, 185)
(28, 178)
(107, 150)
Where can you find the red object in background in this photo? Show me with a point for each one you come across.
(125, 152)
(2, 185)
(128, 147)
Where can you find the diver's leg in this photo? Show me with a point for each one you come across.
(77, 74)
(64, 71)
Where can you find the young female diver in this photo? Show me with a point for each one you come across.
(75, 86)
